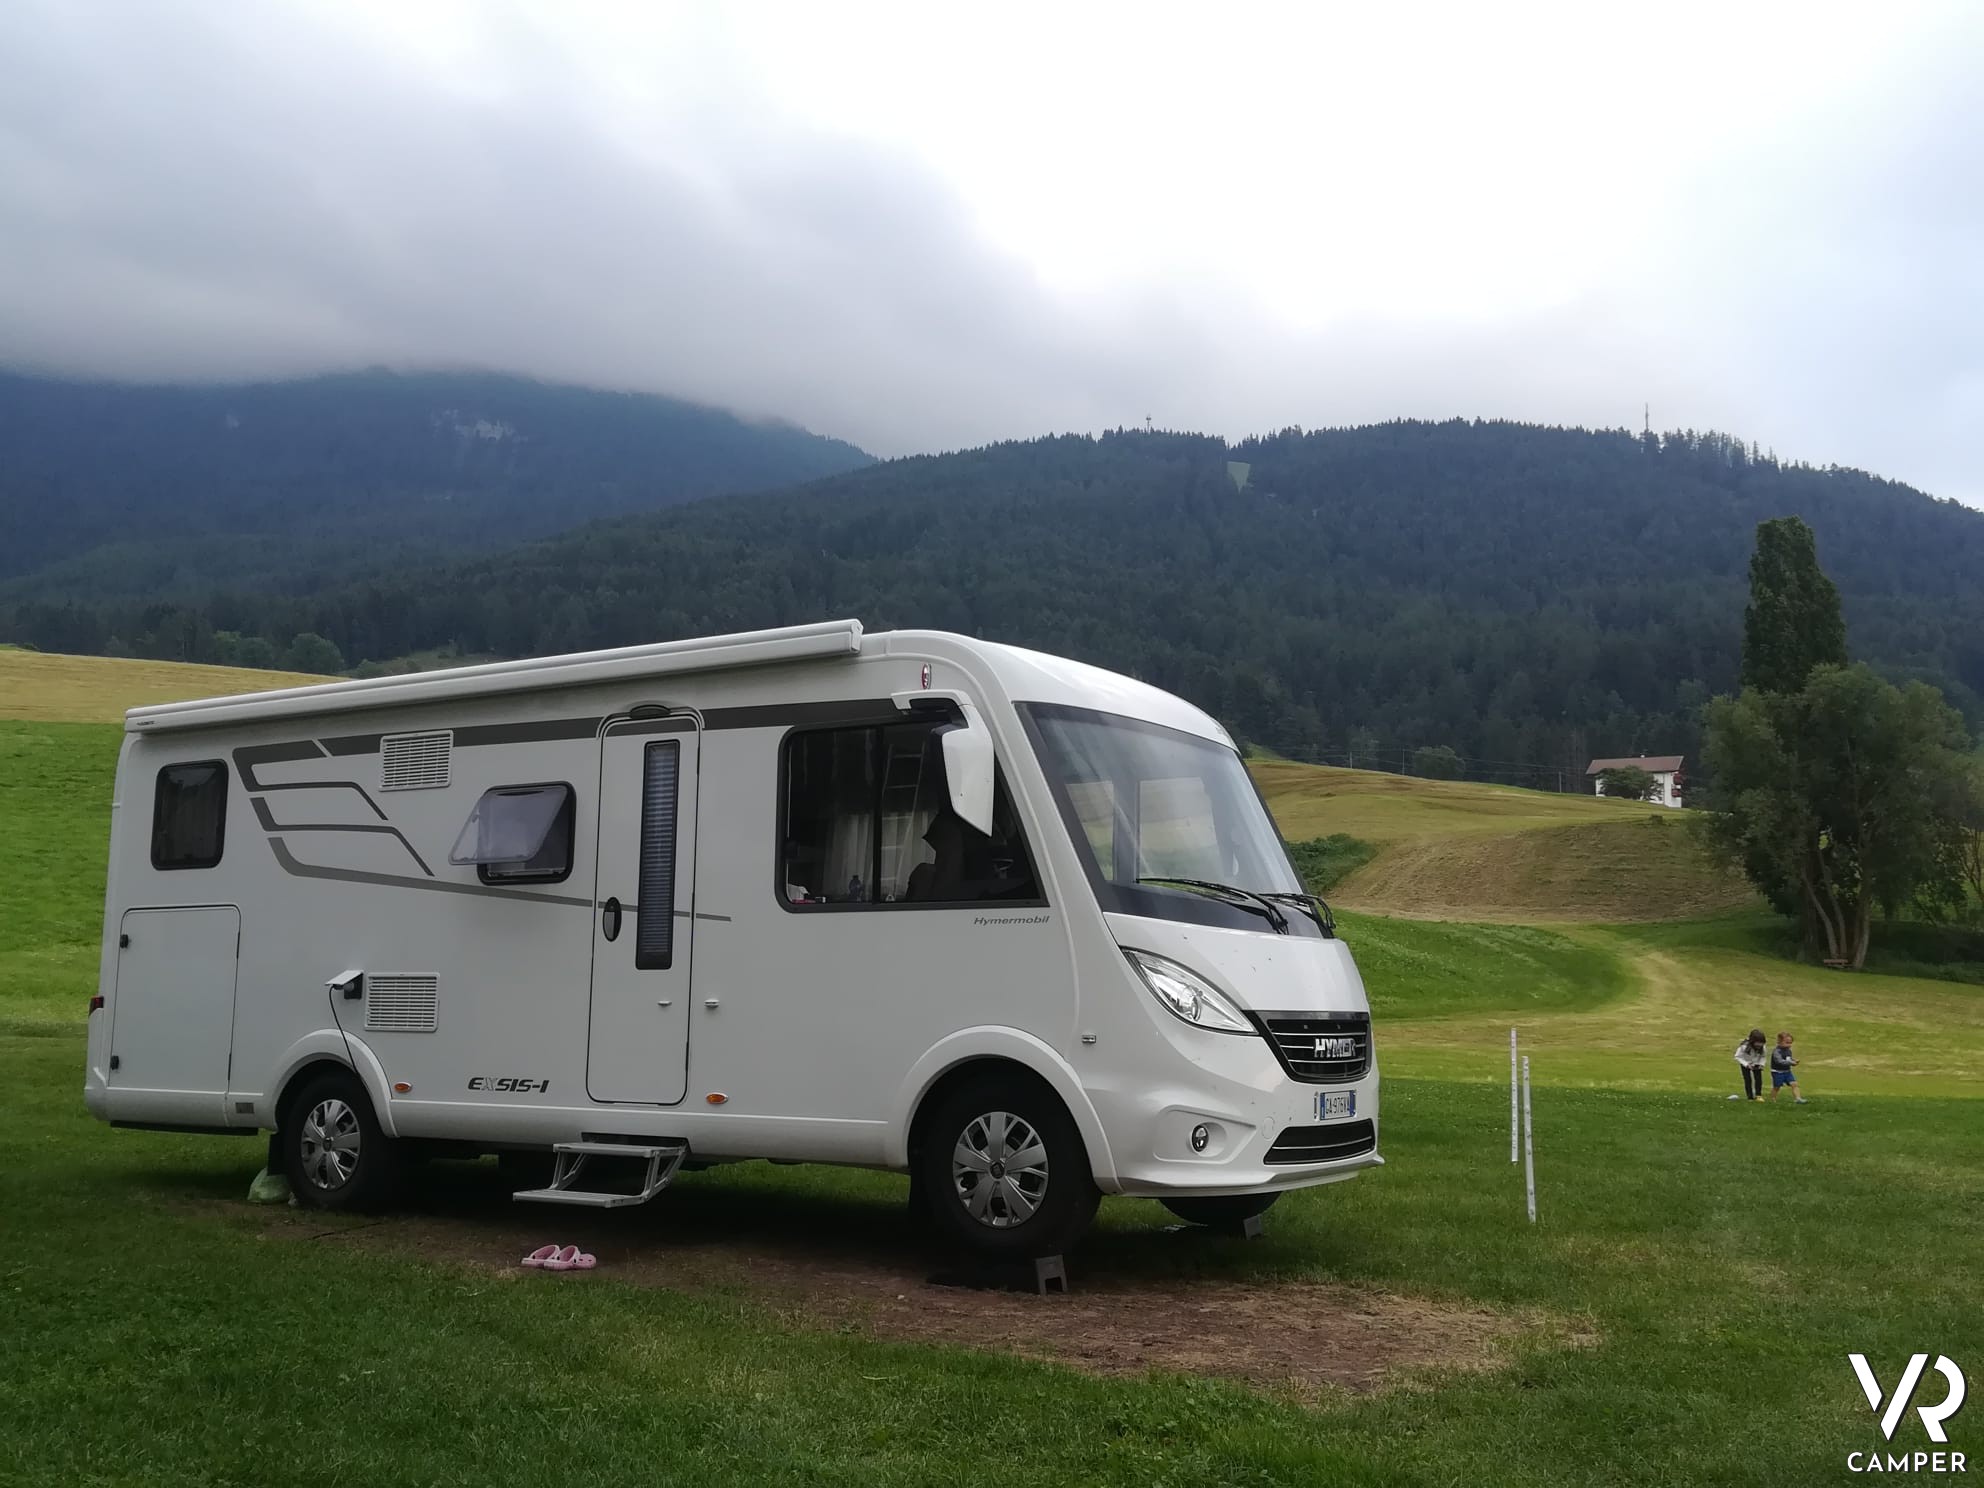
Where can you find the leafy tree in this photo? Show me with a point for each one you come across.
(312, 653)
(1627, 783)
(1959, 891)
(1840, 791)
(1437, 762)
(1793, 621)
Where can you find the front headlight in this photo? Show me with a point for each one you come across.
(1187, 995)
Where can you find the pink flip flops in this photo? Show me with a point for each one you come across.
(569, 1258)
(540, 1256)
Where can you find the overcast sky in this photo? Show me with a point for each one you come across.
(932, 226)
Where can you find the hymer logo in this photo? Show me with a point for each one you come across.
(1894, 1407)
(1336, 1048)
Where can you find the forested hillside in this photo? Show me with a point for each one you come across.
(110, 491)
(1528, 596)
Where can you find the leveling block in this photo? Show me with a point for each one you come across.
(1037, 1275)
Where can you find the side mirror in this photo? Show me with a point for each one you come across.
(968, 769)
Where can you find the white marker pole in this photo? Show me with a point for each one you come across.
(1513, 1123)
(1528, 1152)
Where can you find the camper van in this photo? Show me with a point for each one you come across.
(1013, 925)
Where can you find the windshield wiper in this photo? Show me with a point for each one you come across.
(1261, 904)
(1318, 909)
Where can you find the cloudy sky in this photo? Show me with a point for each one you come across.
(929, 226)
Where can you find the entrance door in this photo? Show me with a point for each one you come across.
(644, 923)
(173, 1024)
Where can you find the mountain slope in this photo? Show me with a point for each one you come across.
(1530, 596)
(109, 490)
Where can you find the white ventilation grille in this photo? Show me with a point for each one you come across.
(401, 1004)
(415, 761)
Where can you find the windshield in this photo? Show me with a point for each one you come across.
(1144, 802)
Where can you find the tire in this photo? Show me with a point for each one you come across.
(333, 1151)
(1223, 1212)
(1039, 1207)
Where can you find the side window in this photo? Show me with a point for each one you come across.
(867, 820)
(189, 815)
(519, 834)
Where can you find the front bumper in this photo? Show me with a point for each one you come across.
(1238, 1090)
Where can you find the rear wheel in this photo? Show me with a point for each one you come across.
(1002, 1169)
(1222, 1212)
(334, 1154)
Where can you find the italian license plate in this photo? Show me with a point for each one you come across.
(1334, 1105)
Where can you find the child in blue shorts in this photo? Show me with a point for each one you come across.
(1782, 1063)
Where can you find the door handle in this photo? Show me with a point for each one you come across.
(609, 919)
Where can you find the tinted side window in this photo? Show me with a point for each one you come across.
(519, 834)
(189, 815)
(867, 821)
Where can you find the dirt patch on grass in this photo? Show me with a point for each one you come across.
(858, 1268)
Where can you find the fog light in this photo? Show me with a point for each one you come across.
(1201, 1134)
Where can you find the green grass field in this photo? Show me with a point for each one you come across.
(1681, 1313)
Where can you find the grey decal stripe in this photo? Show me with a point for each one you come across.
(269, 823)
(250, 755)
(540, 730)
(792, 715)
(680, 914)
(526, 733)
(324, 785)
(400, 881)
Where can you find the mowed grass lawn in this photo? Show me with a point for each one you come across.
(1457, 850)
(44, 688)
(1702, 1267)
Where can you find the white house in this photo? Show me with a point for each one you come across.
(1668, 781)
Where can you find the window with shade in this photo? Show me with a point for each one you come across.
(865, 821)
(189, 815)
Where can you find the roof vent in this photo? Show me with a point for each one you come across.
(401, 1004)
(415, 761)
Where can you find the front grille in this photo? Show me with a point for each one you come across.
(1321, 1048)
(1317, 1144)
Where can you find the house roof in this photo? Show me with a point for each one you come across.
(1653, 764)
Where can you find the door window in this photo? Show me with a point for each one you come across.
(654, 930)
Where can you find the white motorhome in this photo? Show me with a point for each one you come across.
(1017, 926)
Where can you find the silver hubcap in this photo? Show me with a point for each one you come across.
(330, 1143)
(999, 1169)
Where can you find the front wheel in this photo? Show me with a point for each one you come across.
(1223, 1212)
(334, 1154)
(1002, 1169)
